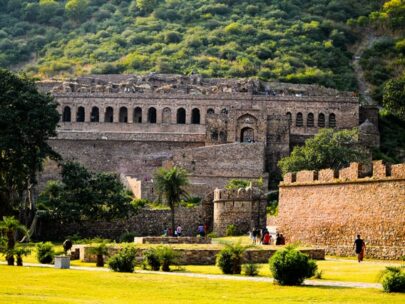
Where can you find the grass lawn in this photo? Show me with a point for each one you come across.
(40, 285)
(332, 270)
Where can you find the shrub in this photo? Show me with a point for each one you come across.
(230, 258)
(393, 279)
(251, 269)
(167, 257)
(127, 237)
(100, 250)
(123, 261)
(212, 235)
(291, 267)
(231, 230)
(20, 252)
(152, 259)
(45, 252)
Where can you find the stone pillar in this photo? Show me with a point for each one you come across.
(101, 114)
(188, 115)
(159, 113)
(203, 113)
(116, 114)
(130, 115)
(87, 113)
(73, 113)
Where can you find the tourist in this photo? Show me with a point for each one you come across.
(282, 239)
(178, 230)
(278, 239)
(169, 232)
(360, 248)
(165, 231)
(266, 238)
(253, 235)
(259, 236)
(201, 231)
(264, 230)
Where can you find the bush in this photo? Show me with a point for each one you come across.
(167, 257)
(231, 230)
(230, 258)
(393, 280)
(127, 237)
(152, 259)
(45, 252)
(251, 269)
(100, 250)
(291, 267)
(123, 261)
(212, 235)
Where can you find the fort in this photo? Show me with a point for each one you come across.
(329, 208)
(218, 129)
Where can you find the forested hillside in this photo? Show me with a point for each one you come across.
(302, 41)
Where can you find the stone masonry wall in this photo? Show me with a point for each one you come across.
(146, 223)
(326, 209)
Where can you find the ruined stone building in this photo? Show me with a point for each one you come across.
(217, 129)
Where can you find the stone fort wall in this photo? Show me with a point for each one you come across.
(329, 209)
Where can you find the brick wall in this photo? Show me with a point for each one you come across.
(330, 212)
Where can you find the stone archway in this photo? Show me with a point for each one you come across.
(247, 135)
(246, 128)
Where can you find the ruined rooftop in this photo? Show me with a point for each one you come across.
(179, 84)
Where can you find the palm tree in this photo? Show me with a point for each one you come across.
(9, 227)
(169, 184)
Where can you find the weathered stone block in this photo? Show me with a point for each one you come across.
(379, 169)
(350, 173)
(398, 171)
(326, 175)
(306, 176)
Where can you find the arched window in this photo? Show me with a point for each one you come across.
(94, 115)
(152, 115)
(66, 116)
(222, 136)
(109, 115)
(166, 115)
(310, 120)
(181, 116)
(195, 116)
(289, 118)
(321, 120)
(332, 120)
(210, 111)
(123, 114)
(247, 135)
(224, 111)
(299, 122)
(80, 114)
(214, 135)
(137, 115)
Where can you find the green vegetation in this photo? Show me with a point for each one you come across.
(124, 260)
(290, 40)
(393, 279)
(169, 185)
(167, 256)
(27, 119)
(327, 149)
(251, 269)
(9, 228)
(237, 184)
(230, 258)
(82, 195)
(100, 250)
(291, 267)
(30, 284)
(231, 230)
(151, 259)
(45, 252)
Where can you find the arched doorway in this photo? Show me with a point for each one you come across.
(181, 116)
(247, 135)
(123, 114)
(80, 114)
(109, 114)
(94, 116)
(195, 116)
(152, 115)
(66, 117)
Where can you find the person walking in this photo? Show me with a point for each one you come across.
(360, 248)
(179, 230)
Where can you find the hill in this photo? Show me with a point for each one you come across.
(296, 41)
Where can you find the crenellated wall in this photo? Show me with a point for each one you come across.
(329, 208)
(245, 208)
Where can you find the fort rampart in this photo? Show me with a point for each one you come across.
(329, 209)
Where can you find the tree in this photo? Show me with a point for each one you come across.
(328, 149)
(83, 195)
(169, 184)
(27, 120)
(9, 227)
(146, 6)
(394, 97)
(76, 9)
(230, 258)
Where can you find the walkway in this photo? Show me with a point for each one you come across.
(322, 283)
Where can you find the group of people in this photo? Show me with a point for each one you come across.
(201, 231)
(263, 236)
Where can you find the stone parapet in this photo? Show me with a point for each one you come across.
(202, 256)
(171, 240)
(353, 173)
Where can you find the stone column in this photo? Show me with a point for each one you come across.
(203, 113)
(188, 115)
(159, 113)
(116, 114)
(130, 115)
(73, 113)
(87, 113)
(101, 113)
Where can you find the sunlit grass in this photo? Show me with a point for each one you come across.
(40, 285)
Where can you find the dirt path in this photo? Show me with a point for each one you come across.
(364, 88)
(323, 283)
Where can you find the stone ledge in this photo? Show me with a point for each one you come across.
(171, 240)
